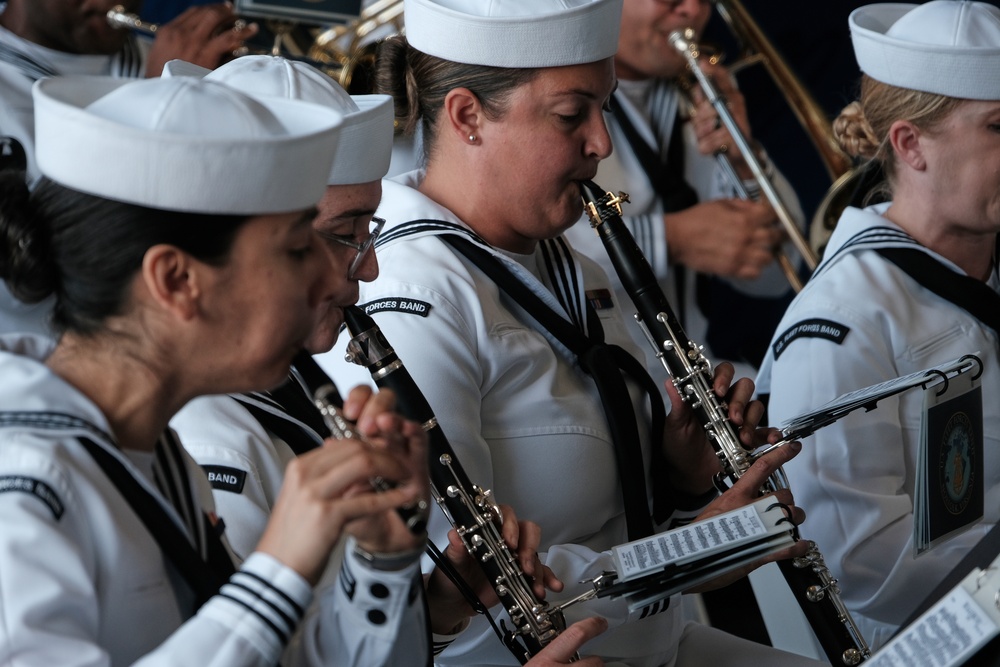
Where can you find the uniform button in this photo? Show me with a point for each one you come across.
(376, 616)
(380, 591)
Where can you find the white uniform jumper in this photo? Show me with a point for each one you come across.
(82, 581)
(521, 416)
(856, 477)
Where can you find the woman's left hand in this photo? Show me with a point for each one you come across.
(448, 607)
(691, 458)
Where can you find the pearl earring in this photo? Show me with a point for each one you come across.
(472, 138)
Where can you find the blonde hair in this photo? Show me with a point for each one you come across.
(862, 128)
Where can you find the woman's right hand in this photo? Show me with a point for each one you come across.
(323, 491)
(561, 650)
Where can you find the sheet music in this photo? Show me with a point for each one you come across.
(695, 540)
(951, 631)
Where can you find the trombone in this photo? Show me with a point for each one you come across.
(846, 175)
(684, 42)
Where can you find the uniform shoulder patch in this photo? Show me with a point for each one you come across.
(398, 304)
(225, 478)
(811, 328)
(35, 487)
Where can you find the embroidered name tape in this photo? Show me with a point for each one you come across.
(399, 305)
(812, 328)
(35, 487)
(225, 478)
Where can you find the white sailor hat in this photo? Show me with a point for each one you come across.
(183, 144)
(514, 33)
(947, 47)
(365, 146)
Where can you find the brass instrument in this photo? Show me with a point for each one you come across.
(815, 589)
(843, 172)
(351, 48)
(119, 18)
(684, 42)
(341, 52)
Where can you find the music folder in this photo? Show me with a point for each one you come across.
(656, 567)
(868, 398)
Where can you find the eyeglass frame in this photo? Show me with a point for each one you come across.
(363, 247)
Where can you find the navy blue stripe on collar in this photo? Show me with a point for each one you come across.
(871, 236)
(423, 226)
(53, 421)
(270, 406)
(562, 273)
(32, 69)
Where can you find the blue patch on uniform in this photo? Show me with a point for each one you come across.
(600, 299)
(35, 487)
(811, 328)
(225, 478)
(398, 304)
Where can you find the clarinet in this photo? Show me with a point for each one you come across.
(328, 401)
(816, 591)
(470, 509)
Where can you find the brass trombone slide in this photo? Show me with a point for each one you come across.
(684, 42)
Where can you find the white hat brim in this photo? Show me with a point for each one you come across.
(583, 34)
(365, 142)
(965, 73)
(365, 147)
(170, 171)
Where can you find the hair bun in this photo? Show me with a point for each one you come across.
(854, 133)
(25, 260)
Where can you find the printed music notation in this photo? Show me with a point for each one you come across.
(952, 630)
(656, 567)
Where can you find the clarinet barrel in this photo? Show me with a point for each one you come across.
(815, 590)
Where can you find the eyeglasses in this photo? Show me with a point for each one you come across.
(364, 248)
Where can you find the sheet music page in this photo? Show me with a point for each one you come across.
(948, 634)
(702, 538)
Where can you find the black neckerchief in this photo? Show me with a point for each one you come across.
(204, 575)
(973, 296)
(606, 365)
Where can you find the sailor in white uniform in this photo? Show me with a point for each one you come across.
(246, 441)
(929, 115)
(508, 144)
(178, 244)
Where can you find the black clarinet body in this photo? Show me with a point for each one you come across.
(816, 591)
(470, 509)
